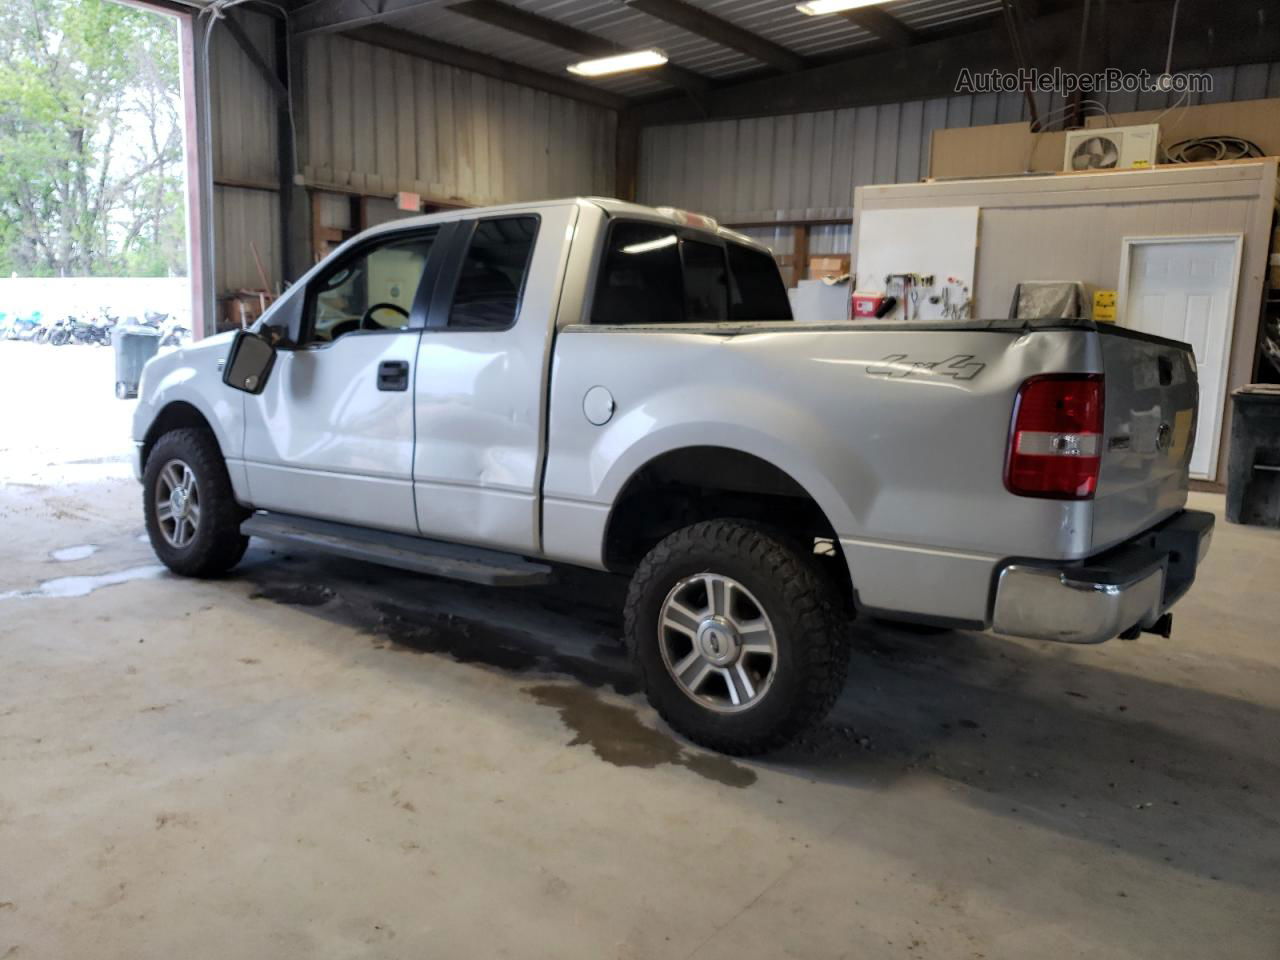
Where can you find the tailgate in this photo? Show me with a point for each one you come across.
(1150, 420)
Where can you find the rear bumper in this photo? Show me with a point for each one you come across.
(1093, 600)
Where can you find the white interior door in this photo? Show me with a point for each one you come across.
(1184, 288)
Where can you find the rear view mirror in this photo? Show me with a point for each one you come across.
(249, 363)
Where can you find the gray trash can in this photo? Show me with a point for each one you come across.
(134, 347)
(1253, 464)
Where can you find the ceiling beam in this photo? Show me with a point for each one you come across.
(884, 26)
(416, 45)
(515, 20)
(1209, 35)
(331, 16)
(726, 34)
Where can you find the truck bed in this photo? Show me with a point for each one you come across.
(899, 431)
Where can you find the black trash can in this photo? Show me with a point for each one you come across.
(1253, 465)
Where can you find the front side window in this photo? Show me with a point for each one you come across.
(493, 274)
(373, 289)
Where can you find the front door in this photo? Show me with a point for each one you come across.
(1185, 289)
(331, 435)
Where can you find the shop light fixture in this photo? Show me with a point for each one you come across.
(818, 8)
(619, 63)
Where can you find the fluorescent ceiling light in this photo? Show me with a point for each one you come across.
(636, 60)
(816, 8)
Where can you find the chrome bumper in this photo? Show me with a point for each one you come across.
(1097, 599)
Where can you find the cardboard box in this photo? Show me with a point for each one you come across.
(828, 266)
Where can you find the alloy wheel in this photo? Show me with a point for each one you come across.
(717, 642)
(177, 503)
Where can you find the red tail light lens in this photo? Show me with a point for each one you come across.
(1055, 448)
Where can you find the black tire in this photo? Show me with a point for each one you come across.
(217, 544)
(810, 636)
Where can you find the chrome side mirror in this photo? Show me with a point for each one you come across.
(249, 363)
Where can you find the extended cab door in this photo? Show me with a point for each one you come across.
(481, 381)
(331, 435)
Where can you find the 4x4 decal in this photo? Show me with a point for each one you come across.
(898, 365)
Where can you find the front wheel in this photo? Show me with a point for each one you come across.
(193, 520)
(736, 637)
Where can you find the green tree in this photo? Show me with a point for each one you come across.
(90, 140)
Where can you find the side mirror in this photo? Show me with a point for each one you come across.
(249, 363)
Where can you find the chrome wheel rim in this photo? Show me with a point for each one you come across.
(177, 503)
(717, 642)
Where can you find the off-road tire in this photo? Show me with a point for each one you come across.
(218, 544)
(812, 635)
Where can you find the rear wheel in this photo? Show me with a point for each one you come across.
(736, 636)
(193, 520)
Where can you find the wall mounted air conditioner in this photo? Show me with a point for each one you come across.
(1112, 148)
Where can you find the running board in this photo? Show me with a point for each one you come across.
(433, 557)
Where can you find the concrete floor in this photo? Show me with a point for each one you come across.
(323, 759)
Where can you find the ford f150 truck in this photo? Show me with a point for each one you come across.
(485, 394)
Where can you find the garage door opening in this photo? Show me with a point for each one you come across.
(94, 233)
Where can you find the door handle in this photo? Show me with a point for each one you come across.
(393, 375)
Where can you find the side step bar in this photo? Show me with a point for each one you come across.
(433, 557)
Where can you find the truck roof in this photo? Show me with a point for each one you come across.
(612, 207)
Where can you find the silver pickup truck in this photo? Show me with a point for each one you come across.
(485, 394)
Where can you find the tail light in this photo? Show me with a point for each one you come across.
(1055, 449)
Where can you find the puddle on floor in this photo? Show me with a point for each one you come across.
(616, 735)
(612, 730)
(79, 552)
(294, 594)
(63, 588)
(506, 648)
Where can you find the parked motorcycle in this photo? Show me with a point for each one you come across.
(60, 331)
(175, 334)
(28, 327)
(19, 327)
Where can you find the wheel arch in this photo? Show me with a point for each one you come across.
(689, 484)
(175, 415)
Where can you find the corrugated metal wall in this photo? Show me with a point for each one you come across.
(374, 121)
(378, 121)
(807, 165)
(244, 151)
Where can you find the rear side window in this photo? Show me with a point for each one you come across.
(640, 282)
(493, 273)
(757, 291)
(653, 275)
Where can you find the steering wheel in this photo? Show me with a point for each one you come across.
(368, 323)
